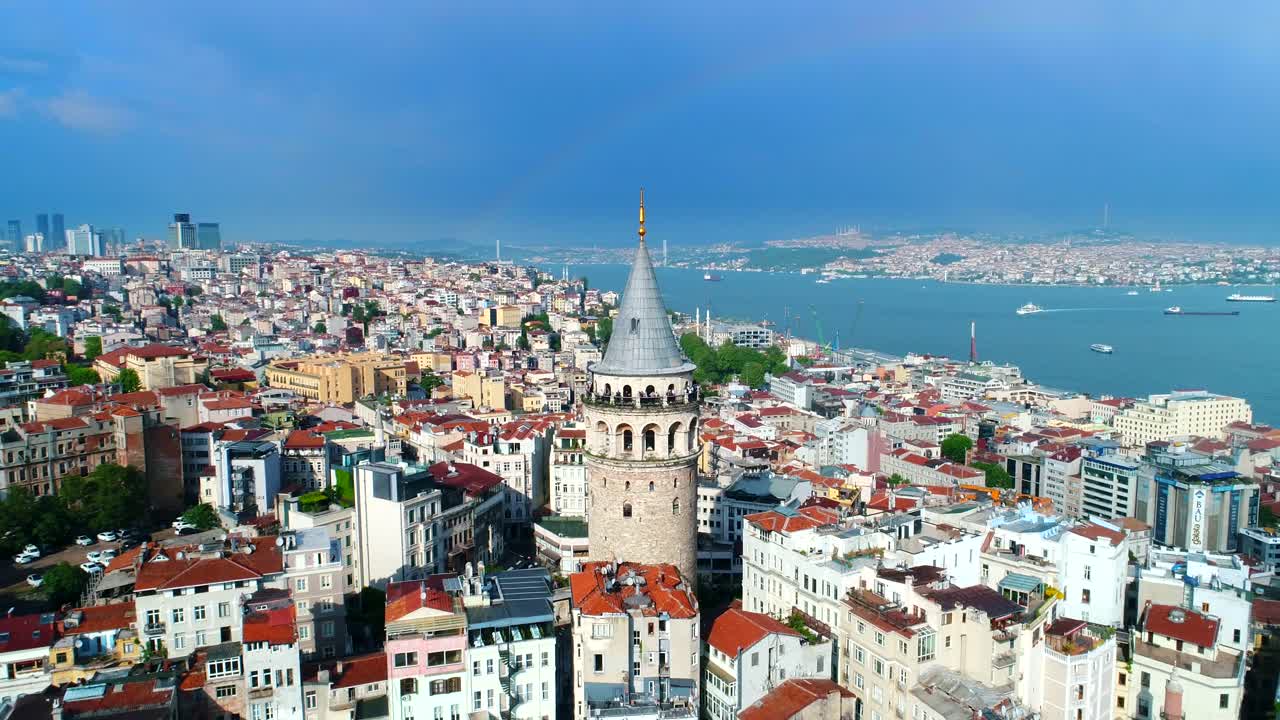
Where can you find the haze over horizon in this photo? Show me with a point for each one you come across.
(538, 123)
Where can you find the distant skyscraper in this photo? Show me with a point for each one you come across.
(35, 243)
(115, 240)
(15, 234)
(42, 225)
(57, 231)
(182, 234)
(82, 241)
(208, 236)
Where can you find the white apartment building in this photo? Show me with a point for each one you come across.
(413, 521)
(336, 521)
(190, 597)
(636, 644)
(568, 471)
(748, 654)
(272, 662)
(1179, 415)
(511, 642)
(516, 452)
(1071, 673)
(1180, 668)
(1093, 572)
(1110, 483)
(1210, 583)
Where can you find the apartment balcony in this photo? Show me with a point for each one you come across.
(152, 629)
(1225, 665)
(260, 693)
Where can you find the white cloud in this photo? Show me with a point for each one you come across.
(78, 110)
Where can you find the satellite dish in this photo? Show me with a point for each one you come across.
(279, 542)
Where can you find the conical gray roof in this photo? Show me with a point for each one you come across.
(642, 342)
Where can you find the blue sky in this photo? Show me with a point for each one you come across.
(438, 123)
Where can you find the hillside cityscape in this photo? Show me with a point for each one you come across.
(250, 481)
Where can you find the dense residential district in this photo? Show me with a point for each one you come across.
(274, 484)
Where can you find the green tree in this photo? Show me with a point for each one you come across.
(178, 302)
(896, 480)
(42, 344)
(111, 496)
(64, 583)
(1266, 517)
(217, 324)
(997, 477)
(29, 288)
(54, 524)
(12, 339)
(604, 330)
(128, 380)
(92, 347)
(430, 381)
(753, 374)
(955, 447)
(77, 375)
(203, 516)
(113, 312)
(319, 328)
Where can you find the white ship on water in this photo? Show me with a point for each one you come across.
(1029, 309)
(1101, 348)
(1237, 297)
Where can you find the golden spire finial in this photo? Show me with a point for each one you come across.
(641, 214)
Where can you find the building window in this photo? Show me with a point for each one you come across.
(675, 507)
(1146, 679)
(599, 663)
(198, 613)
(626, 510)
(1084, 596)
(1224, 701)
(226, 691)
(408, 686)
(406, 659)
(310, 700)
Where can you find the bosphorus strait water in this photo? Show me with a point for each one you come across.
(1234, 355)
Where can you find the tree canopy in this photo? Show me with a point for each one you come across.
(129, 380)
(110, 497)
(956, 446)
(997, 477)
(203, 516)
(77, 375)
(217, 324)
(92, 347)
(64, 583)
(728, 360)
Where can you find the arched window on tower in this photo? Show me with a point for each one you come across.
(627, 442)
(650, 439)
(626, 510)
(650, 486)
(675, 507)
(626, 486)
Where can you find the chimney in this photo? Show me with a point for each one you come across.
(338, 667)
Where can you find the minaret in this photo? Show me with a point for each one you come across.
(641, 411)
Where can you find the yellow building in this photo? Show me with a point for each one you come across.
(158, 366)
(434, 361)
(341, 378)
(526, 399)
(501, 316)
(484, 391)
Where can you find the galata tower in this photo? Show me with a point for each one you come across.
(641, 409)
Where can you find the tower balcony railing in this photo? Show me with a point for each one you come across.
(656, 400)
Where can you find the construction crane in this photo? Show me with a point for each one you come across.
(823, 347)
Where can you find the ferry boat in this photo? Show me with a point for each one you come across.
(1029, 309)
(1237, 297)
(1177, 310)
(709, 277)
(1132, 292)
(1100, 348)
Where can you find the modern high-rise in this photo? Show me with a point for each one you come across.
(1194, 501)
(14, 235)
(83, 241)
(42, 225)
(641, 410)
(208, 236)
(57, 232)
(182, 232)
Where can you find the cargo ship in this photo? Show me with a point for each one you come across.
(1177, 310)
(1237, 297)
(709, 277)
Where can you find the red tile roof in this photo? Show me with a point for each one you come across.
(274, 627)
(736, 630)
(163, 570)
(806, 518)
(474, 480)
(1266, 612)
(662, 584)
(1193, 628)
(791, 698)
(405, 598)
(1094, 531)
(98, 618)
(352, 671)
